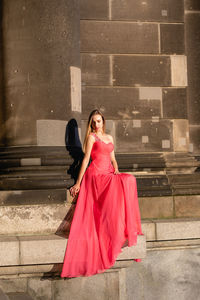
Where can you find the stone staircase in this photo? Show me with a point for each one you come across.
(35, 203)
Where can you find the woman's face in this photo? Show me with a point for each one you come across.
(97, 122)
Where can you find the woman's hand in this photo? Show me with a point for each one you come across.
(74, 189)
(116, 171)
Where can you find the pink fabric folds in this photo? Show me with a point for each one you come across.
(106, 215)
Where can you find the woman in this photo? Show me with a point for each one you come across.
(107, 212)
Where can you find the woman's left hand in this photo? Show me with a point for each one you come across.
(116, 171)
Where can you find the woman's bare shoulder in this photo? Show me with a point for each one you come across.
(109, 137)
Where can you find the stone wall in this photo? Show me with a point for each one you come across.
(134, 69)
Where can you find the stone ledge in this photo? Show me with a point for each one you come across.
(171, 229)
(50, 249)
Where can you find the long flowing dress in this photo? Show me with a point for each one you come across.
(106, 216)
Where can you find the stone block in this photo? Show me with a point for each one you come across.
(95, 69)
(181, 135)
(194, 146)
(41, 249)
(13, 285)
(97, 287)
(187, 206)
(178, 70)
(121, 103)
(177, 229)
(175, 103)
(39, 289)
(9, 249)
(148, 228)
(98, 10)
(150, 10)
(23, 130)
(141, 70)
(138, 251)
(192, 25)
(172, 38)
(19, 72)
(129, 138)
(192, 5)
(117, 37)
(51, 132)
(156, 207)
(35, 219)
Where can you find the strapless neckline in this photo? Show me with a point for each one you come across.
(100, 140)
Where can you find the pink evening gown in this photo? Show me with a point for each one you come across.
(106, 215)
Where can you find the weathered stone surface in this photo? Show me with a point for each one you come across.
(3, 296)
(162, 207)
(141, 70)
(41, 249)
(40, 44)
(172, 38)
(150, 10)
(13, 285)
(192, 25)
(10, 257)
(90, 9)
(148, 228)
(118, 37)
(175, 103)
(138, 251)
(181, 135)
(192, 5)
(24, 130)
(187, 206)
(117, 103)
(97, 287)
(19, 296)
(39, 289)
(194, 139)
(16, 220)
(185, 184)
(177, 229)
(32, 197)
(51, 132)
(165, 275)
(95, 69)
(151, 136)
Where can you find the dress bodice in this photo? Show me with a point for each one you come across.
(100, 153)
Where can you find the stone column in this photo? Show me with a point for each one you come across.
(42, 92)
(192, 41)
(41, 70)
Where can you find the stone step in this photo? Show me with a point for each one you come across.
(32, 219)
(33, 170)
(171, 229)
(42, 212)
(38, 182)
(42, 250)
(32, 197)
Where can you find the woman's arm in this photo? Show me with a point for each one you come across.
(75, 188)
